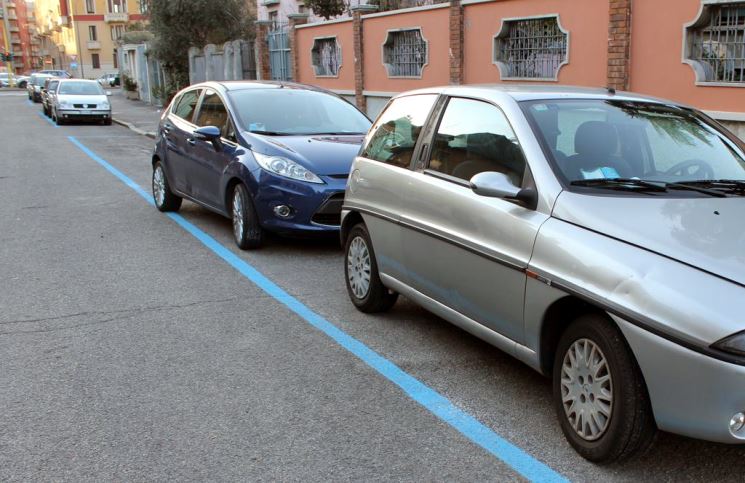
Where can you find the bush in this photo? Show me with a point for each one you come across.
(129, 83)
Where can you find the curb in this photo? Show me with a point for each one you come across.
(132, 127)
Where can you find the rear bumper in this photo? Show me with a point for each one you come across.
(691, 394)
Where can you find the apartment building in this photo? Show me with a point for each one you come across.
(18, 19)
(81, 35)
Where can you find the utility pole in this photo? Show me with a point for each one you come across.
(6, 32)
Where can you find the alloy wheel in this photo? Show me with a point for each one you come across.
(159, 185)
(238, 214)
(359, 267)
(586, 389)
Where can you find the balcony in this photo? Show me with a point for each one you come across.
(15, 40)
(94, 45)
(14, 28)
(63, 21)
(269, 3)
(116, 17)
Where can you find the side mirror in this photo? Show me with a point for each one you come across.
(109, 93)
(210, 134)
(498, 185)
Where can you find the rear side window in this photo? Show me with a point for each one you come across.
(396, 131)
(473, 137)
(185, 106)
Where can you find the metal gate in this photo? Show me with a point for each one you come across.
(248, 60)
(279, 52)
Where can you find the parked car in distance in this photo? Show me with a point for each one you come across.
(48, 93)
(62, 74)
(22, 81)
(596, 236)
(271, 156)
(6, 80)
(80, 100)
(109, 80)
(35, 84)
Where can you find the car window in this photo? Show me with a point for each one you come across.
(185, 106)
(81, 88)
(396, 131)
(53, 85)
(213, 113)
(473, 137)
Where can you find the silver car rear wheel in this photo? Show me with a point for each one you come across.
(359, 267)
(587, 389)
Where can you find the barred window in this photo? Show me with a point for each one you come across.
(326, 56)
(716, 44)
(405, 53)
(534, 48)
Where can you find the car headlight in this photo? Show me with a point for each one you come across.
(105, 105)
(286, 167)
(734, 344)
(65, 105)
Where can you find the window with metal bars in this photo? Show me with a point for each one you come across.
(326, 56)
(405, 53)
(534, 48)
(716, 43)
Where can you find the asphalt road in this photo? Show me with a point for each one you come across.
(129, 350)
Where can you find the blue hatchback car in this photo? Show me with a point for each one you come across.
(272, 156)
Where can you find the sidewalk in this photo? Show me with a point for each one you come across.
(138, 116)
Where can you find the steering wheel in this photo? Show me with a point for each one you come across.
(685, 169)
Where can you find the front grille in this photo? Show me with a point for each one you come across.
(330, 211)
(84, 106)
(339, 176)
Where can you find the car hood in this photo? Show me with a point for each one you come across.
(706, 233)
(322, 154)
(73, 99)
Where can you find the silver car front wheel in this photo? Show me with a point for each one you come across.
(587, 389)
(358, 267)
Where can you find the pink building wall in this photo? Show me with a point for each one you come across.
(585, 20)
(344, 37)
(656, 57)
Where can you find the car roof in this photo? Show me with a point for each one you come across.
(230, 86)
(537, 92)
(78, 80)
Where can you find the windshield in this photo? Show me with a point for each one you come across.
(40, 80)
(606, 139)
(287, 111)
(80, 89)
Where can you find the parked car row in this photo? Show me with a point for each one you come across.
(596, 236)
(69, 100)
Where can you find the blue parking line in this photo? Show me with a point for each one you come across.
(42, 115)
(434, 402)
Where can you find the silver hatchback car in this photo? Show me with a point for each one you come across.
(597, 236)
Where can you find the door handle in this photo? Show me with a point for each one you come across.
(167, 128)
(192, 141)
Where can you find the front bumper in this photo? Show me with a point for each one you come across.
(315, 208)
(692, 394)
(84, 115)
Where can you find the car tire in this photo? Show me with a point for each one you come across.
(163, 197)
(365, 289)
(611, 380)
(247, 230)
(58, 120)
(107, 122)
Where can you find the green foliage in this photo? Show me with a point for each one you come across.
(165, 93)
(129, 83)
(178, 25)
(326, 8)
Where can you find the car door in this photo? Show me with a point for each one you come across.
(381, 175)
(177, 127)
(466, 251)
(208, 161)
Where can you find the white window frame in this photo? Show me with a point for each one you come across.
(389, 39)
(313, 57)
(702, 20)
(505, 69)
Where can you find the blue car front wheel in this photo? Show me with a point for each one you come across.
(247, 231)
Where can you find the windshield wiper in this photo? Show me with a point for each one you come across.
(695, 187)
(270, 133)
(720, 186)
(631, 184)
(338, 133)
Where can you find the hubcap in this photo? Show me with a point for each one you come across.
(238, 215)
(159, 186)
(586, 389)
(359, 267)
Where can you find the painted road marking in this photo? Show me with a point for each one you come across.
(434, 402)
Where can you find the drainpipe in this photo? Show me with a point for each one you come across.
(71, 16)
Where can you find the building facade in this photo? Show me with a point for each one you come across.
(81, 36)
(20, 19)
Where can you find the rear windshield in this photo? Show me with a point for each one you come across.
(39, 80)
(288, 111)
(81, 89)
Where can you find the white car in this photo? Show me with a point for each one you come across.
(81, 100)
